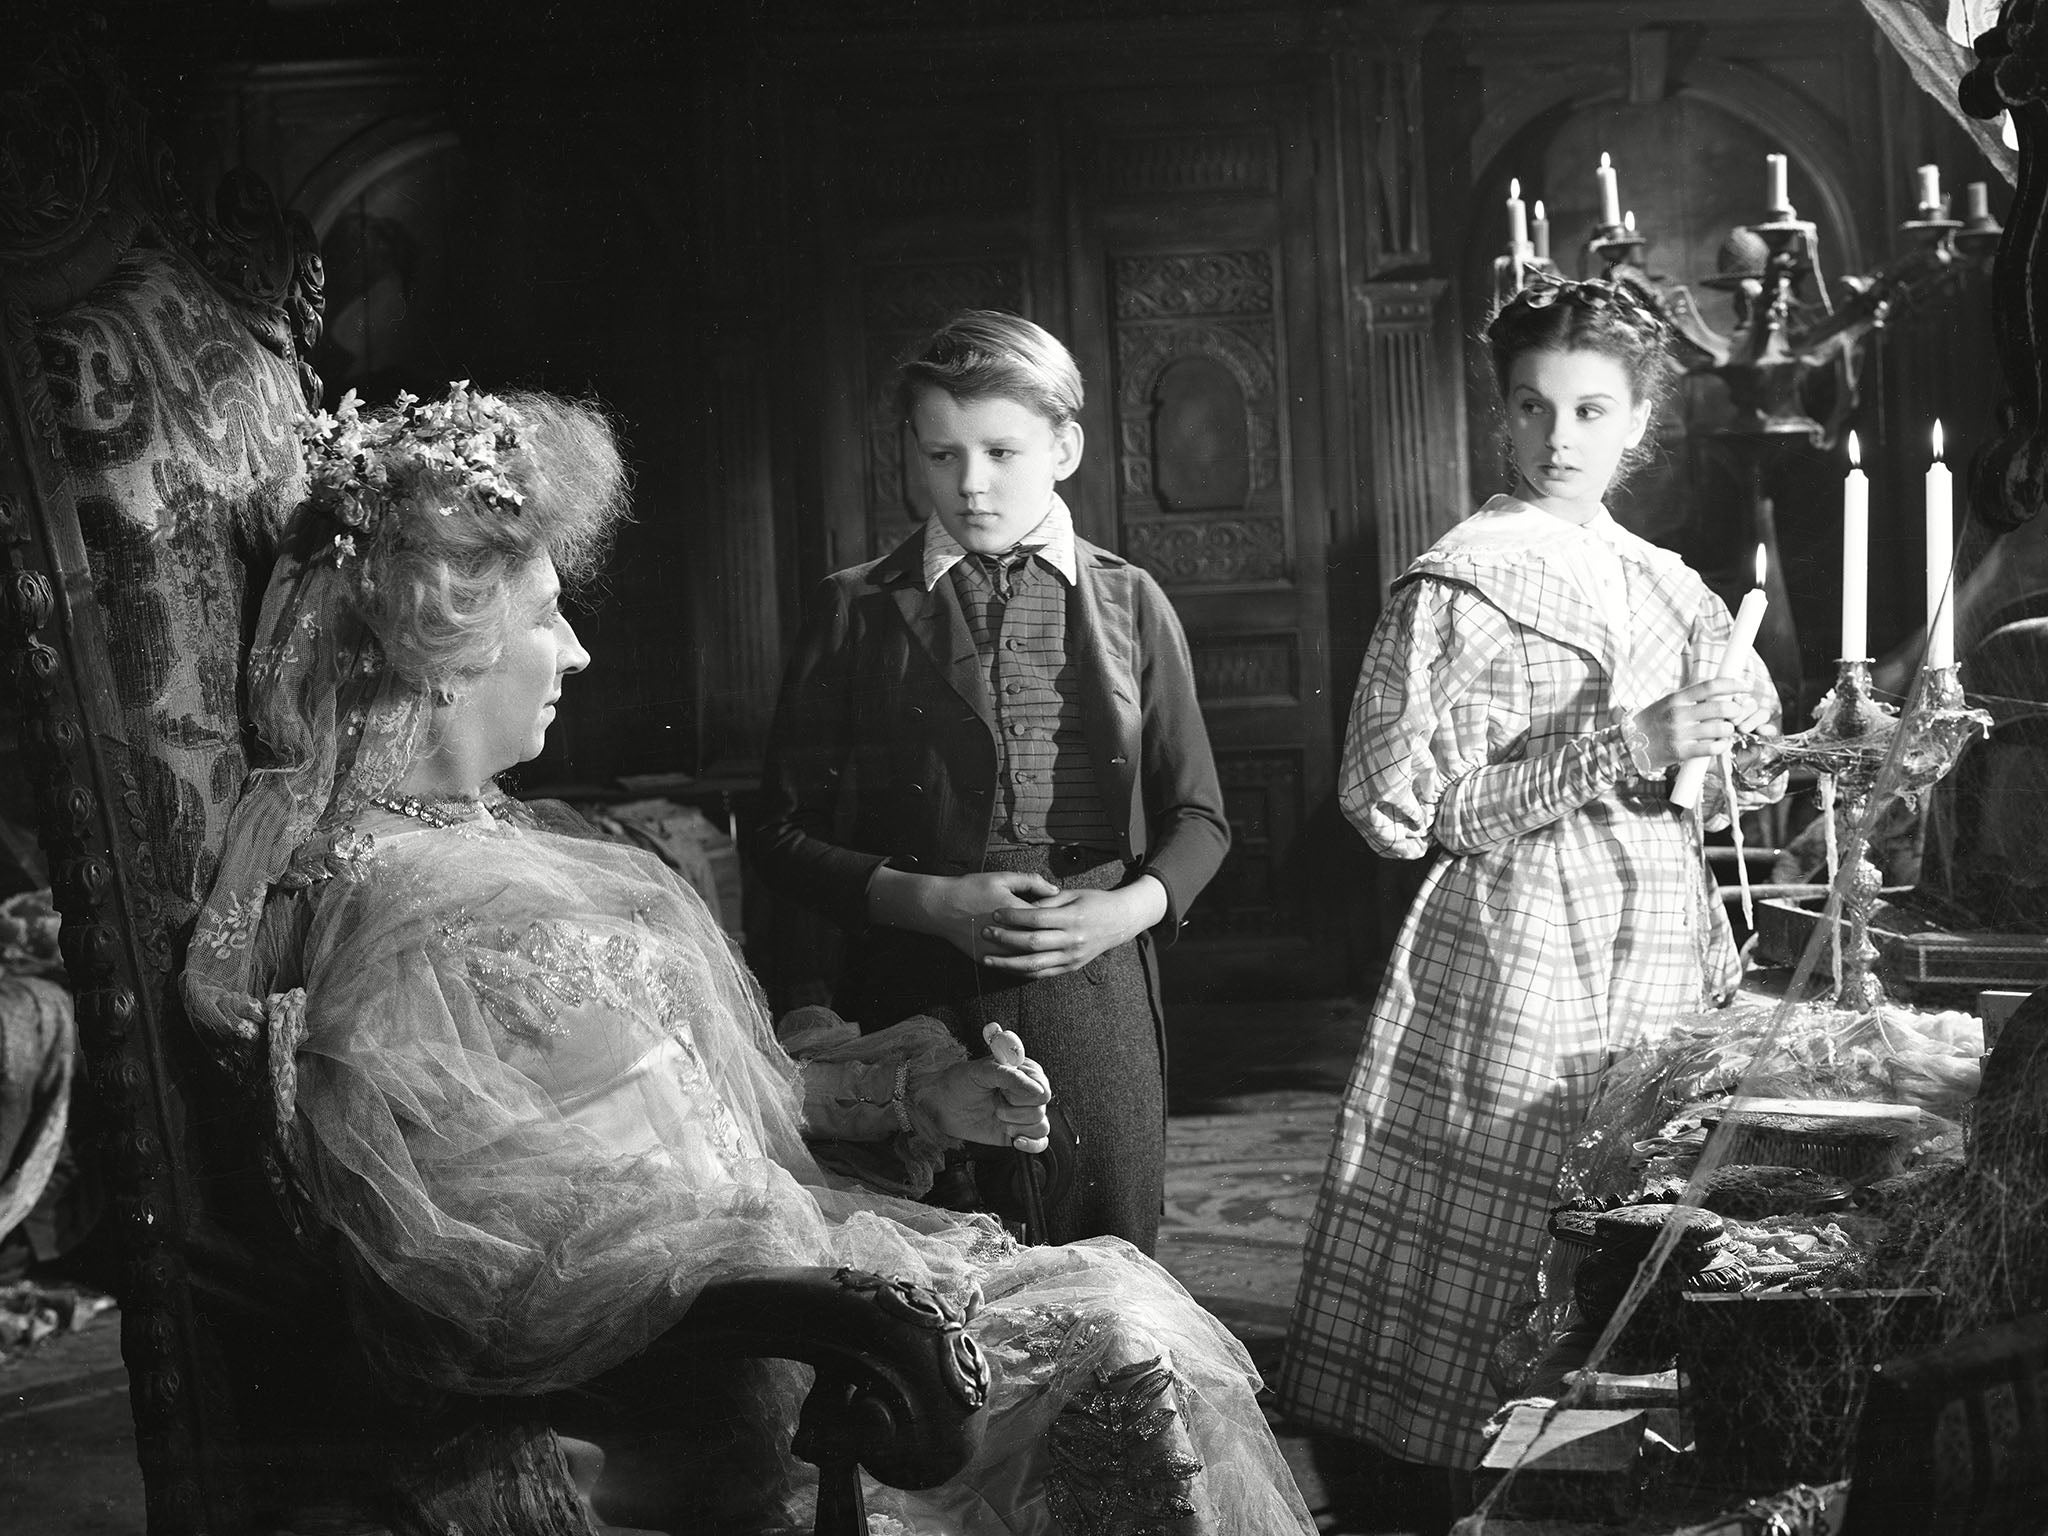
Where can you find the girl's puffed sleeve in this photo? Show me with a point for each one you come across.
(1429, 706)
(1417, 722)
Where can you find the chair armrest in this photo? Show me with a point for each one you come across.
(900, 1383)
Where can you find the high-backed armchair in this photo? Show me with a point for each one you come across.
(153, 372)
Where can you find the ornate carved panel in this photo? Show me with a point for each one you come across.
(899, 306)
(1196, 338)
(1247, 669)
(1187, 551)
(954, 175)
(1404, 420)
(1200, 283)
(1251, 896)
(1223, 160)
(1397, 223)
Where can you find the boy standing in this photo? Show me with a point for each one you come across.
(988, 766)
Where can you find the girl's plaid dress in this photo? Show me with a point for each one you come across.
(1568, 914)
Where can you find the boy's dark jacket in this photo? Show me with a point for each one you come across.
(884, 745)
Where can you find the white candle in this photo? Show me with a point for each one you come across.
(1542, 231)
(1779, 201)
(1518, 218)
(1930, 186)
(1855, 559)
(1610, 193)
(1941, 549)
(1749, 618)
(1976, 200)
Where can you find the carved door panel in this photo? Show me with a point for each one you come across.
(1197, 308)
(1171, 241)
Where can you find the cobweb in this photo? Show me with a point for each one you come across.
(1915, 1214)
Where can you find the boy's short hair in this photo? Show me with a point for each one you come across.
(984, 353)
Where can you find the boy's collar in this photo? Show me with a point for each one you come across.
(1052, 539)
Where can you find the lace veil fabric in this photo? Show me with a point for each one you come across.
(552, 1193)
(532, 1100)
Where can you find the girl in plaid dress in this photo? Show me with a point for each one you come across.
(1533, 680)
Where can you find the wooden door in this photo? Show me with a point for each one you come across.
(1170, 238)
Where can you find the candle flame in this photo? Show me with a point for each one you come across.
(1628, 221)
(1514, 187)
(1761, 567)
(1855, 453)
(1605, 163)
(1937, 439)
(1540, 214)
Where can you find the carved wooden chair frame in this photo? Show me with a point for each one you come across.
(899, 1384)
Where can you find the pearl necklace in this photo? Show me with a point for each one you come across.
(420, 811)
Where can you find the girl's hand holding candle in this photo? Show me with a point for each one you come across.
(1749, 618)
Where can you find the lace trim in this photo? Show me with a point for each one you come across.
(1121, 1460)
(527, 981)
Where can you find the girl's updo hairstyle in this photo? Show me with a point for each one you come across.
(1593, 315)
(435, 572)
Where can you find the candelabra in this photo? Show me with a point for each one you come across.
(1790, 331)
(1854, 737)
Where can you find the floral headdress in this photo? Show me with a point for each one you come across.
(358, 465)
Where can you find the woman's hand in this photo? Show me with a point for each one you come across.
(1063, 932)
(996, 1102)
(1700, 720)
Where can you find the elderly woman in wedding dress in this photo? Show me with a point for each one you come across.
(528, 1094)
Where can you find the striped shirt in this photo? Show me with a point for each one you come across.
(1046, 789)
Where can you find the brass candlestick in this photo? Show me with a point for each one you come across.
(1854, 736)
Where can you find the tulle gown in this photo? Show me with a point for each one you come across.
(537, 1096)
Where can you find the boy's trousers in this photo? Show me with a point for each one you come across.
(1096, 1031)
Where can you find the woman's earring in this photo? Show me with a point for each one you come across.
(443, 694)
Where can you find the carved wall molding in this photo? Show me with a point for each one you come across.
(1410, 440)
(1235, 669)
(1221, 161)
(1208, 551)
(1199, 283)
(1396, 191)
(951, 174)
(917, 296)
(1262, 796)
(1214, 305)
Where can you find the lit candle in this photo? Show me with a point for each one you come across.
(1855, 559)
(1941, 549)
(1628, 221)
(1518, 218)
(1976, 200)
(1779, 200)
(1542, 229)
(1749, 618)
(1610, 193)
(1930, 186)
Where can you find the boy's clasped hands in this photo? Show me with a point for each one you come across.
(1024, 923)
